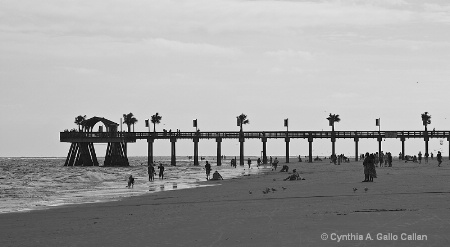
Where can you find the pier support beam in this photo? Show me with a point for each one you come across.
(379, 146)
(116, 154)
(426, 139)
(93, 154)
(333, 145)
(173, 159)
(264, 141)
(196, 139)
(219, 151)
(150, 151)
(448, 139)
(403, 147)
(356, 148)
(241, 151)
(310, 140)
(287, 149)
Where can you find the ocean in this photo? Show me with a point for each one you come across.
(41, 183)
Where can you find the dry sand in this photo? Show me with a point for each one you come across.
(406, 198)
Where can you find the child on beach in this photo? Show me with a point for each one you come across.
(208, 170)
(130, 182)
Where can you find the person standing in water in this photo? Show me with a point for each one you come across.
(249, 162)
(151, 172)
(208, 170)
(130, 182)
(161, 171)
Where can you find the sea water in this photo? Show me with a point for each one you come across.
(39, 183)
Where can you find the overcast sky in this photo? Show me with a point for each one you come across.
(215, 59)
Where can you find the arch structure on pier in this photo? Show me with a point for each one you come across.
(82, 151)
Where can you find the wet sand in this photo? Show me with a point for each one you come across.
(406, 200)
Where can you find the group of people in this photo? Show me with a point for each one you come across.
(384, 159)
(369, 167)
(152, 173)
(273, 163)
(418, 158)
(338, 159)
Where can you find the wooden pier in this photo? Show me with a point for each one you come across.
(120, 139)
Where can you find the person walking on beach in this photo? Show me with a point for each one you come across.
(208, 170)
(270, 160)
(151, 172)
(161, 171)
(258, 162)
(275, 163)
(420, 157)
(366, 167)
(390, 159)
(249, 162)
(439, 158)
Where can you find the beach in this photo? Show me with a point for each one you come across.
(406, 202)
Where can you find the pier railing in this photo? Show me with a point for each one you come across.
(133, 136)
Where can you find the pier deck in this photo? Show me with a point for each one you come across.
(127, 137)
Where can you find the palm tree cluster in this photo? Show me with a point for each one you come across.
(129, 120)
(242, 119)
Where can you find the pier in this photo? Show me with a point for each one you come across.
(82, 142)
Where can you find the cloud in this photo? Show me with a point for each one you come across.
(196, 48)
(289, 54)
(146, 19)
(79, 70)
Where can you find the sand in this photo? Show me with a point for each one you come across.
(406, 199)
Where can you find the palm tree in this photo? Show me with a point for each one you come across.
(332, 119)
(242, 119)
(426, 120)
(80, 121)
(156, 119)
(129, 120)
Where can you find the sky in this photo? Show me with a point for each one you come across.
(212, 60)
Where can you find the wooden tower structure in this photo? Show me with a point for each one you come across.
(82, 151)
